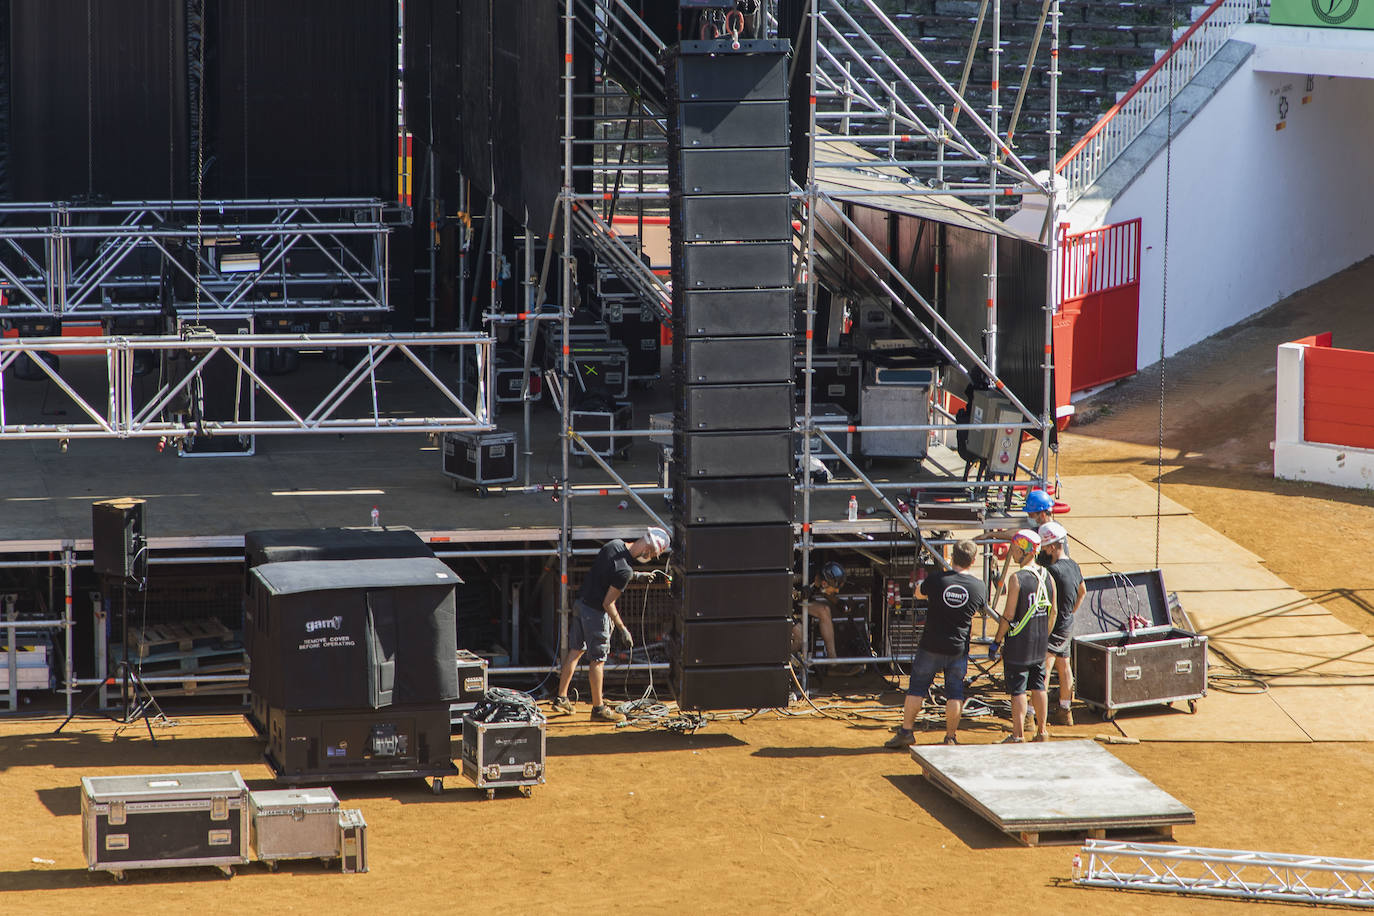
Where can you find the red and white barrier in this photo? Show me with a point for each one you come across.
(1324, 414)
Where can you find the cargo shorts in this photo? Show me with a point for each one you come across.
(590, 630)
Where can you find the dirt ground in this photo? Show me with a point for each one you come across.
(803, 813)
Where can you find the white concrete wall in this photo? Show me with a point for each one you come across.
(1294, 457)
(1255, 213)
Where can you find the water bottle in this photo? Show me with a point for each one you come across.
(853, 508)
(1077, 867)
(376, 518)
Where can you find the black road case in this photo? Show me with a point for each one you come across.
(480, 458)
(499, 754)
(1147, 667)
(472, 686)
(587, 421)
(165, 820)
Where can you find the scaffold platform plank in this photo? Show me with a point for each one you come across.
(1034, 791)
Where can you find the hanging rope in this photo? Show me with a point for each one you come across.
(1164, 297)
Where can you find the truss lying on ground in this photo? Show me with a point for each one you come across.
(175, 409)
(1227, 873)
(216, 257)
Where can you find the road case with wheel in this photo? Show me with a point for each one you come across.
(498, 754)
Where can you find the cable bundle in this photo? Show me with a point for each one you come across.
(500, 704)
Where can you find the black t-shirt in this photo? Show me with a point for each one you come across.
(952, 598)
(1028, 645)
(1067, 577)
(610, 569)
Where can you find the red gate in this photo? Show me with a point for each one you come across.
(1096, 330)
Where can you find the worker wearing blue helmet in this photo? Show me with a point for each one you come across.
(1040, 511)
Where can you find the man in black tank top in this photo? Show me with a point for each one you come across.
(1023, 635)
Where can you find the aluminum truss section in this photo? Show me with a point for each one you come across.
(1239, 874)
(125, 411)
(220, 257)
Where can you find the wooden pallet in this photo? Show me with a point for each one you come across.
(190, 660)
(178, 637)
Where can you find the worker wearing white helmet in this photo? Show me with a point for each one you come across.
(595, 613)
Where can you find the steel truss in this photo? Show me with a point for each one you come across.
(1235, 873)
(171, 411)
(106, 260)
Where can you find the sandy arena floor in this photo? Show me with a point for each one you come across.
(803, 814)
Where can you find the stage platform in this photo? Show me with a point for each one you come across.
(1060, 790)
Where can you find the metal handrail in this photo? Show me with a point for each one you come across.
(1085, 162)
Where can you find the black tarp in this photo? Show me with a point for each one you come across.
(98, 99)
(510, 112)
(301, 98)
(356, 634)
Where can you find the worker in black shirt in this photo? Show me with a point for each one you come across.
(1069, 590)
(952, 598)
(595, 613)
(1024, 626)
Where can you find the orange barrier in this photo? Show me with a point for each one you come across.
(1337, 394)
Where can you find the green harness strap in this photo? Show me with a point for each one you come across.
(1041, 598)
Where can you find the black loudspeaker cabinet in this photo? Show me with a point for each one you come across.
(732, 217)
(722, 408)
(732, 548)
(643, 342)
(705, 71)
(737, 265)
(752, 687)
(734, 500)
(740, 454)
(392, 743)
(732, 313)
(728, 596)
(715, 643)
(730, 171)
(117, 540)
(716, 125)
(733, 360)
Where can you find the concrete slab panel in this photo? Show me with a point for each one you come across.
(1130, 542)
(1112, 496)
(1328, 713)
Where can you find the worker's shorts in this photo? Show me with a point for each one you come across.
(1021, 678)
(590, 629)
(925, 665)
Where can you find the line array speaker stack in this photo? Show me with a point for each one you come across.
(731, 228)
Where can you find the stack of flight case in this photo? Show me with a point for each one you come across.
(731, 474)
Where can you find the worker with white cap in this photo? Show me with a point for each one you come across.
(1040, 511)
(1024, 626)
(1070, 590)
(595, 613)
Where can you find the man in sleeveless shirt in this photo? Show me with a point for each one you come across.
(953, 597)
(1023, 635)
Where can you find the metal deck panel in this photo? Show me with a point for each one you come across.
(1053, 786)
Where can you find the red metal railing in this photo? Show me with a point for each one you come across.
(1096, 331)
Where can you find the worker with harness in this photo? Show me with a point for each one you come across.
(1023, 635)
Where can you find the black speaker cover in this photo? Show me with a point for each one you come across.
(729, 75)
(754, 687)
(714, 125)
(355, 633)
(281, 545)
(741, 454)
(737, 265)
(736, 407)
(733, 217)
(724, 596)
(117, 538)
(723, 313)
(733, 642)
(731, 171)
(732, 548)
(734, 500)
(734, 360)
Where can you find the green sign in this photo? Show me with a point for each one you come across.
(1331, 14)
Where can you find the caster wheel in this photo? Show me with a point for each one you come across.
(491, 793)
(482, 492)
(273, 865)
(437, 787)
(453, 482)
(1108, 715)
(227, 870)
(119, 876)
(527, 791)
(1192, 707)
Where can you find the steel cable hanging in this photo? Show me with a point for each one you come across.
(1164, 296)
